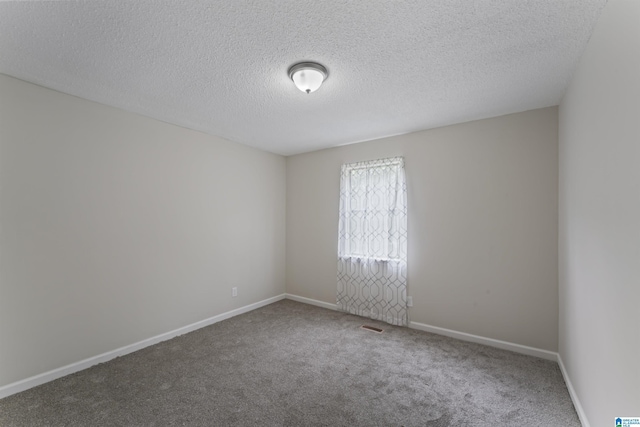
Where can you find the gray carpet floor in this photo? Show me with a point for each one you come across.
(292, 364)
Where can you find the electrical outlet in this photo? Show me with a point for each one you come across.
(234, 291)
(409, 301)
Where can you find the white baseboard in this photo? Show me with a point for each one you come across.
(45, 377)
(574, 397)
(312, 301)
(505, 345)
(518, 348)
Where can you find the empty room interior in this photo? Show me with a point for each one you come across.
(288, 213)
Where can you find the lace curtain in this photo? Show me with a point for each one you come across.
(372, 240)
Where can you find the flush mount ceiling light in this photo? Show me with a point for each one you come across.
(308, 76)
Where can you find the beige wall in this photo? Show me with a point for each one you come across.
(482, 224)
(116, 228)
(599, 237)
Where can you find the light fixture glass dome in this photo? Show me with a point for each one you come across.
(308, 76)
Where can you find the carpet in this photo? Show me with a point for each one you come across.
(292, 364)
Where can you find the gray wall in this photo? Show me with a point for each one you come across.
(116, 228)
(482, 224)
(599, 236)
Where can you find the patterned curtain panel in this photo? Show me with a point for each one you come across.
(372, 240)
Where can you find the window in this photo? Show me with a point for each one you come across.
(373, 210)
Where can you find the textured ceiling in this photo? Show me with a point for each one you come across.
(221, 66)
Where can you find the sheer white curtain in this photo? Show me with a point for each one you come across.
(372, 240)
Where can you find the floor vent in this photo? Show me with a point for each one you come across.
(371, 328)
